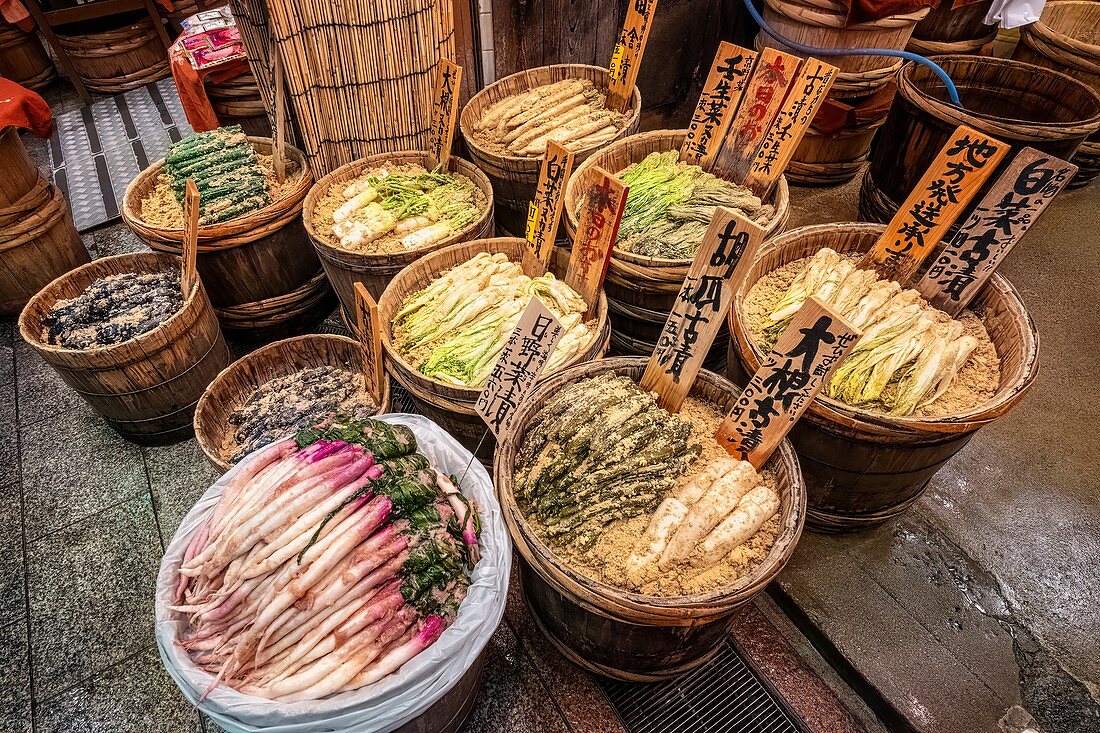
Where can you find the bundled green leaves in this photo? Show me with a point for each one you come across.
(670, 205)
(225, 169)
(600, 450)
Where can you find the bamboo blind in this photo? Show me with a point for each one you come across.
(252, 22)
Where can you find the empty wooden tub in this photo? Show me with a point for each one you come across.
(452, 407)
(145, 388)
(116, 53)
(614, 632)
(514, 177)
(863, 468)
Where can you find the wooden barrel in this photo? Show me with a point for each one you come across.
(450, 406)
(621, 634)
(953, 28)
(1019, 104)
(181, 9)
(18, 175)
(237, 101)
(831, 158)
(375, 271)
(1064, 39)
(23, 59)
(260, 271)
(514, 177)
(236, 383)
(38, 243)
(145, 388)
(644, 289)
(864, 468)
(112, 59)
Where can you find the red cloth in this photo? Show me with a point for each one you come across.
(16, 13)
(192, 90)
(22, 108)
(861, 11)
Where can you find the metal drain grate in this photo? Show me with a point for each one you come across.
(722, 696)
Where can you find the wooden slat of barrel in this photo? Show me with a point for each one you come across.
(116, 59)
(23, 58)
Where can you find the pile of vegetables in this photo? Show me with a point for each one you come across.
(332, 558)
(910, 352)
(454, 329)
(114, 309)
(572, 113)
(225, 169)
(670, 205)
(600, 450)
(721, 508)
(410, 205)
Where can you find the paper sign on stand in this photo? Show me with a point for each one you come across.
(544, 211)
(597, 230)
(722, 92)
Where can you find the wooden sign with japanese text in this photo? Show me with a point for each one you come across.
(722, 91)
(370, 336)
(1009, 208)
(544, 211)
(953, 179)
(772, 76)
(445, 93)
(725, 254)
(190, 254)
(520, 364)
(626, 57)
(278, 129)
(597, 231)
(790, 376)
(789, 127)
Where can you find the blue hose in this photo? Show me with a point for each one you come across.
(909, 56)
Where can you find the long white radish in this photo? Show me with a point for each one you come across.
(755, 508)
(566, 90)
(714, 506)
(643, 560)
(545, 116)
(693, 490)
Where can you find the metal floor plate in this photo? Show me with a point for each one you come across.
(97, 150)
(722, 696)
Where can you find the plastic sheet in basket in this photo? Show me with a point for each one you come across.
(400, 697)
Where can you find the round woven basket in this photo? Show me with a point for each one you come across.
(231, 389)
(514, 177)
(617, 633)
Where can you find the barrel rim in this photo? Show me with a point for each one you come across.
(834, 15)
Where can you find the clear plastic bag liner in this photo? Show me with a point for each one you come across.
(1014, 13)
(403, 695)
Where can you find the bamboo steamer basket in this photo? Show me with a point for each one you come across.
(644, 289)
(621, 634)
(375, 271)
(951, 29)
(236, 383)
(1017, 103)
(1063, 39)
(514, 177)
(114, 60)
(23, 59)
(452, 407)
(18, 175)
(145, 388)
(865, 468)
(38, 243)
(257, 268)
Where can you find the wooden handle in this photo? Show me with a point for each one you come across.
(370, 336)
(718, 102)
(544, 211)
(445, 94)
(188, 272)
(597, 231)
(626, 57)
(278, 130)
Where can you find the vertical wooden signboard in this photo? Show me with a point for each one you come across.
(597, 231)
(441, 133)
(188, 266)
(544, 211)
(626, 57)
(370, 336)
(722, 92)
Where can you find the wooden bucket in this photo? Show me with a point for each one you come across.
(375, 271)
(862, 468)
(145, 388)
(259, 270)
(613, 632)
(23, 59)
(38, 243)
(111, 59)
(236, 383)
(450, 406)
(18, 175)
(1063, 39)
(1019, 104)
(950, 29)
(237, 101)
(850, 83)
(514, 177)
(831, 158)
(644, 288)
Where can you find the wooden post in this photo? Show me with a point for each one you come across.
(370, 336)
(789, 127)
(626, 58)
(724, 256)
(805, 356)
(188, 267)
(278, 130)
(544, 211)
(1009, 208)
(597, 231)
(953, 179)
(722, 91)
(445, 97)
(772, 76)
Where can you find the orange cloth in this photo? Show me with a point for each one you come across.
(16, 13)
(22, 108)
(190, 83)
